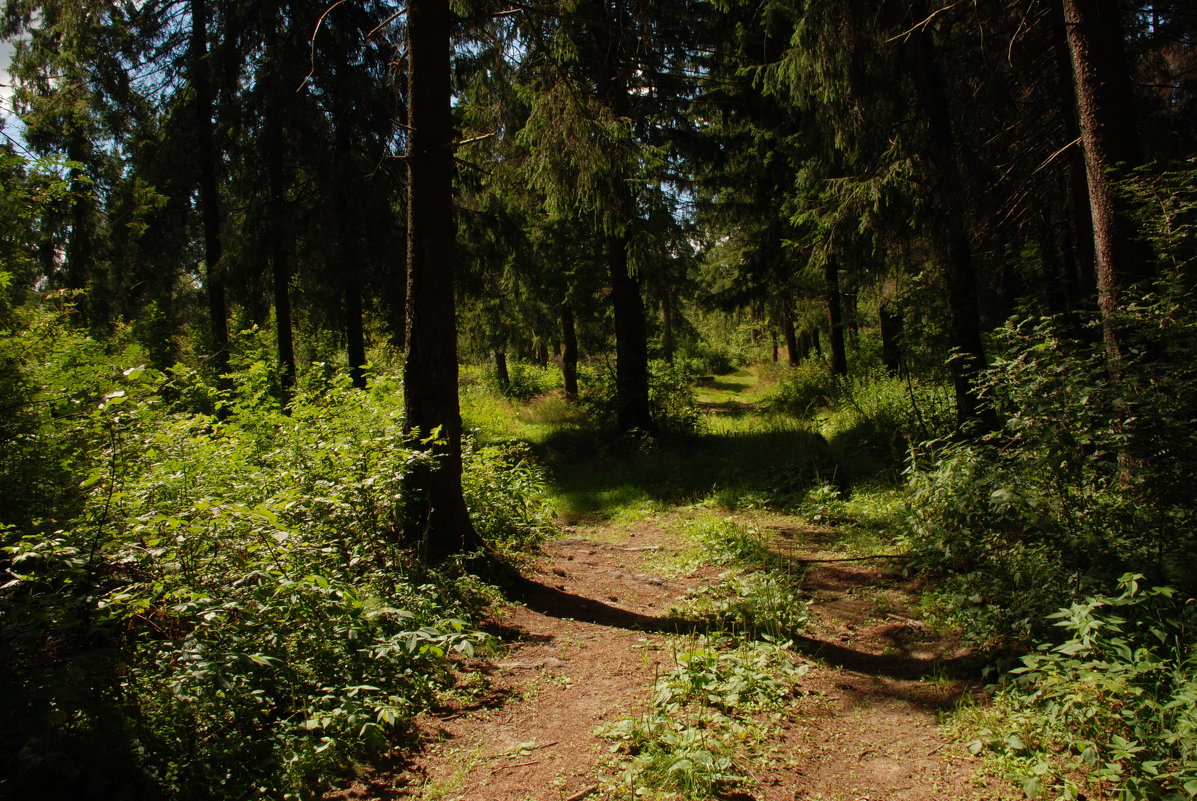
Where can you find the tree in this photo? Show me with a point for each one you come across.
(437, 519)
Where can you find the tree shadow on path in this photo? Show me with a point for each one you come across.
(557, 603)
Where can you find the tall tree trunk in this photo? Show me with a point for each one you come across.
(569, 352)
(835, 318)
(667, 344)
(502, 376)
(951, 246)
(355, 334)
(79, 246)
(892, 324)
(631, 334)
(209, 192)
(436, 515)
(1102, 85)
(793, 356)
(631, 341)
(1078, 251)
(775, 346)
(280, 257)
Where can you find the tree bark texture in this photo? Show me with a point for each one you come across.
(794, 356)
(209, 192)
(1102, 87)
(502, 375)
(280, 256)
(436, 516)
(631, 334)
(835, 318)
(950, 240)
(892, 324)
(569, 352)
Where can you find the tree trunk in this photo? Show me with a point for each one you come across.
(631, 336)
(1103, 96)
(892, 323)
(835, 318)
(502, 376)
(631, 341)
(355, 334)
(569, 352)
(793, 354)
(1081, 282)
(436, 517)
(667, 345)
(775, 348)
(209, 195)
(280, 260)
(951, 246)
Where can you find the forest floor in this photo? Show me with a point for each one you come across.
(592, 632)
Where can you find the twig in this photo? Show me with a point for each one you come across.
(578, 796)
(852, 558)
(518, 765)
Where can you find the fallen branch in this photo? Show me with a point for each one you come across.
(851, 558)
(578, 796)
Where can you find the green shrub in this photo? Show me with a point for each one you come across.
(672, 404)
(1110, 712)
(507, 495)
(803, 390)
(693, 739)
(216, 607)
(1085, 479)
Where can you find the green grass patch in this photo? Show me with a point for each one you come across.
(708, 718)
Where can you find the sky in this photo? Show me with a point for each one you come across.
(5, 88)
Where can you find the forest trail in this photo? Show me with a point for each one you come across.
(584, 647)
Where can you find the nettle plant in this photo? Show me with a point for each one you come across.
(1110, 712)
(225, 611)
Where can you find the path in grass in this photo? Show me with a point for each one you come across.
(592, 632)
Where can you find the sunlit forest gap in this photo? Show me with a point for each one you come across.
(811, 346)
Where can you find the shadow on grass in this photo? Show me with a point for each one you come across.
(593, 475)
(557, 603)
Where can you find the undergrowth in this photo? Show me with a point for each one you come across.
(1110, 712)
(707, 715)
(212, 606)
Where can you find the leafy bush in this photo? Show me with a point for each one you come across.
(804, 389)
(758, 603)
(693, 738)
(1110, 712)
(671, 399)
(526, 381)
(1085, 480)
(507, 495)
(215, 607)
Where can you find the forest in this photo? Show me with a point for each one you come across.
(325, 323)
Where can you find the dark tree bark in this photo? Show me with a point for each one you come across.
(667, 344)
(892, 325)
(209, 195)
(835, 318)
(793, 354)
(436, 516)
(355, 334)
(1077, 251)
(502, 376)
(775, 346)
(1103, 99)
(951, 245)
(569, 352)
(280, 257)
(631, 335)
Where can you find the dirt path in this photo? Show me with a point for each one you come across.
(584, 647)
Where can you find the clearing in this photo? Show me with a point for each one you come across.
(592, 632)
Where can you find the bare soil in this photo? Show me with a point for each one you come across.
(583, 646)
